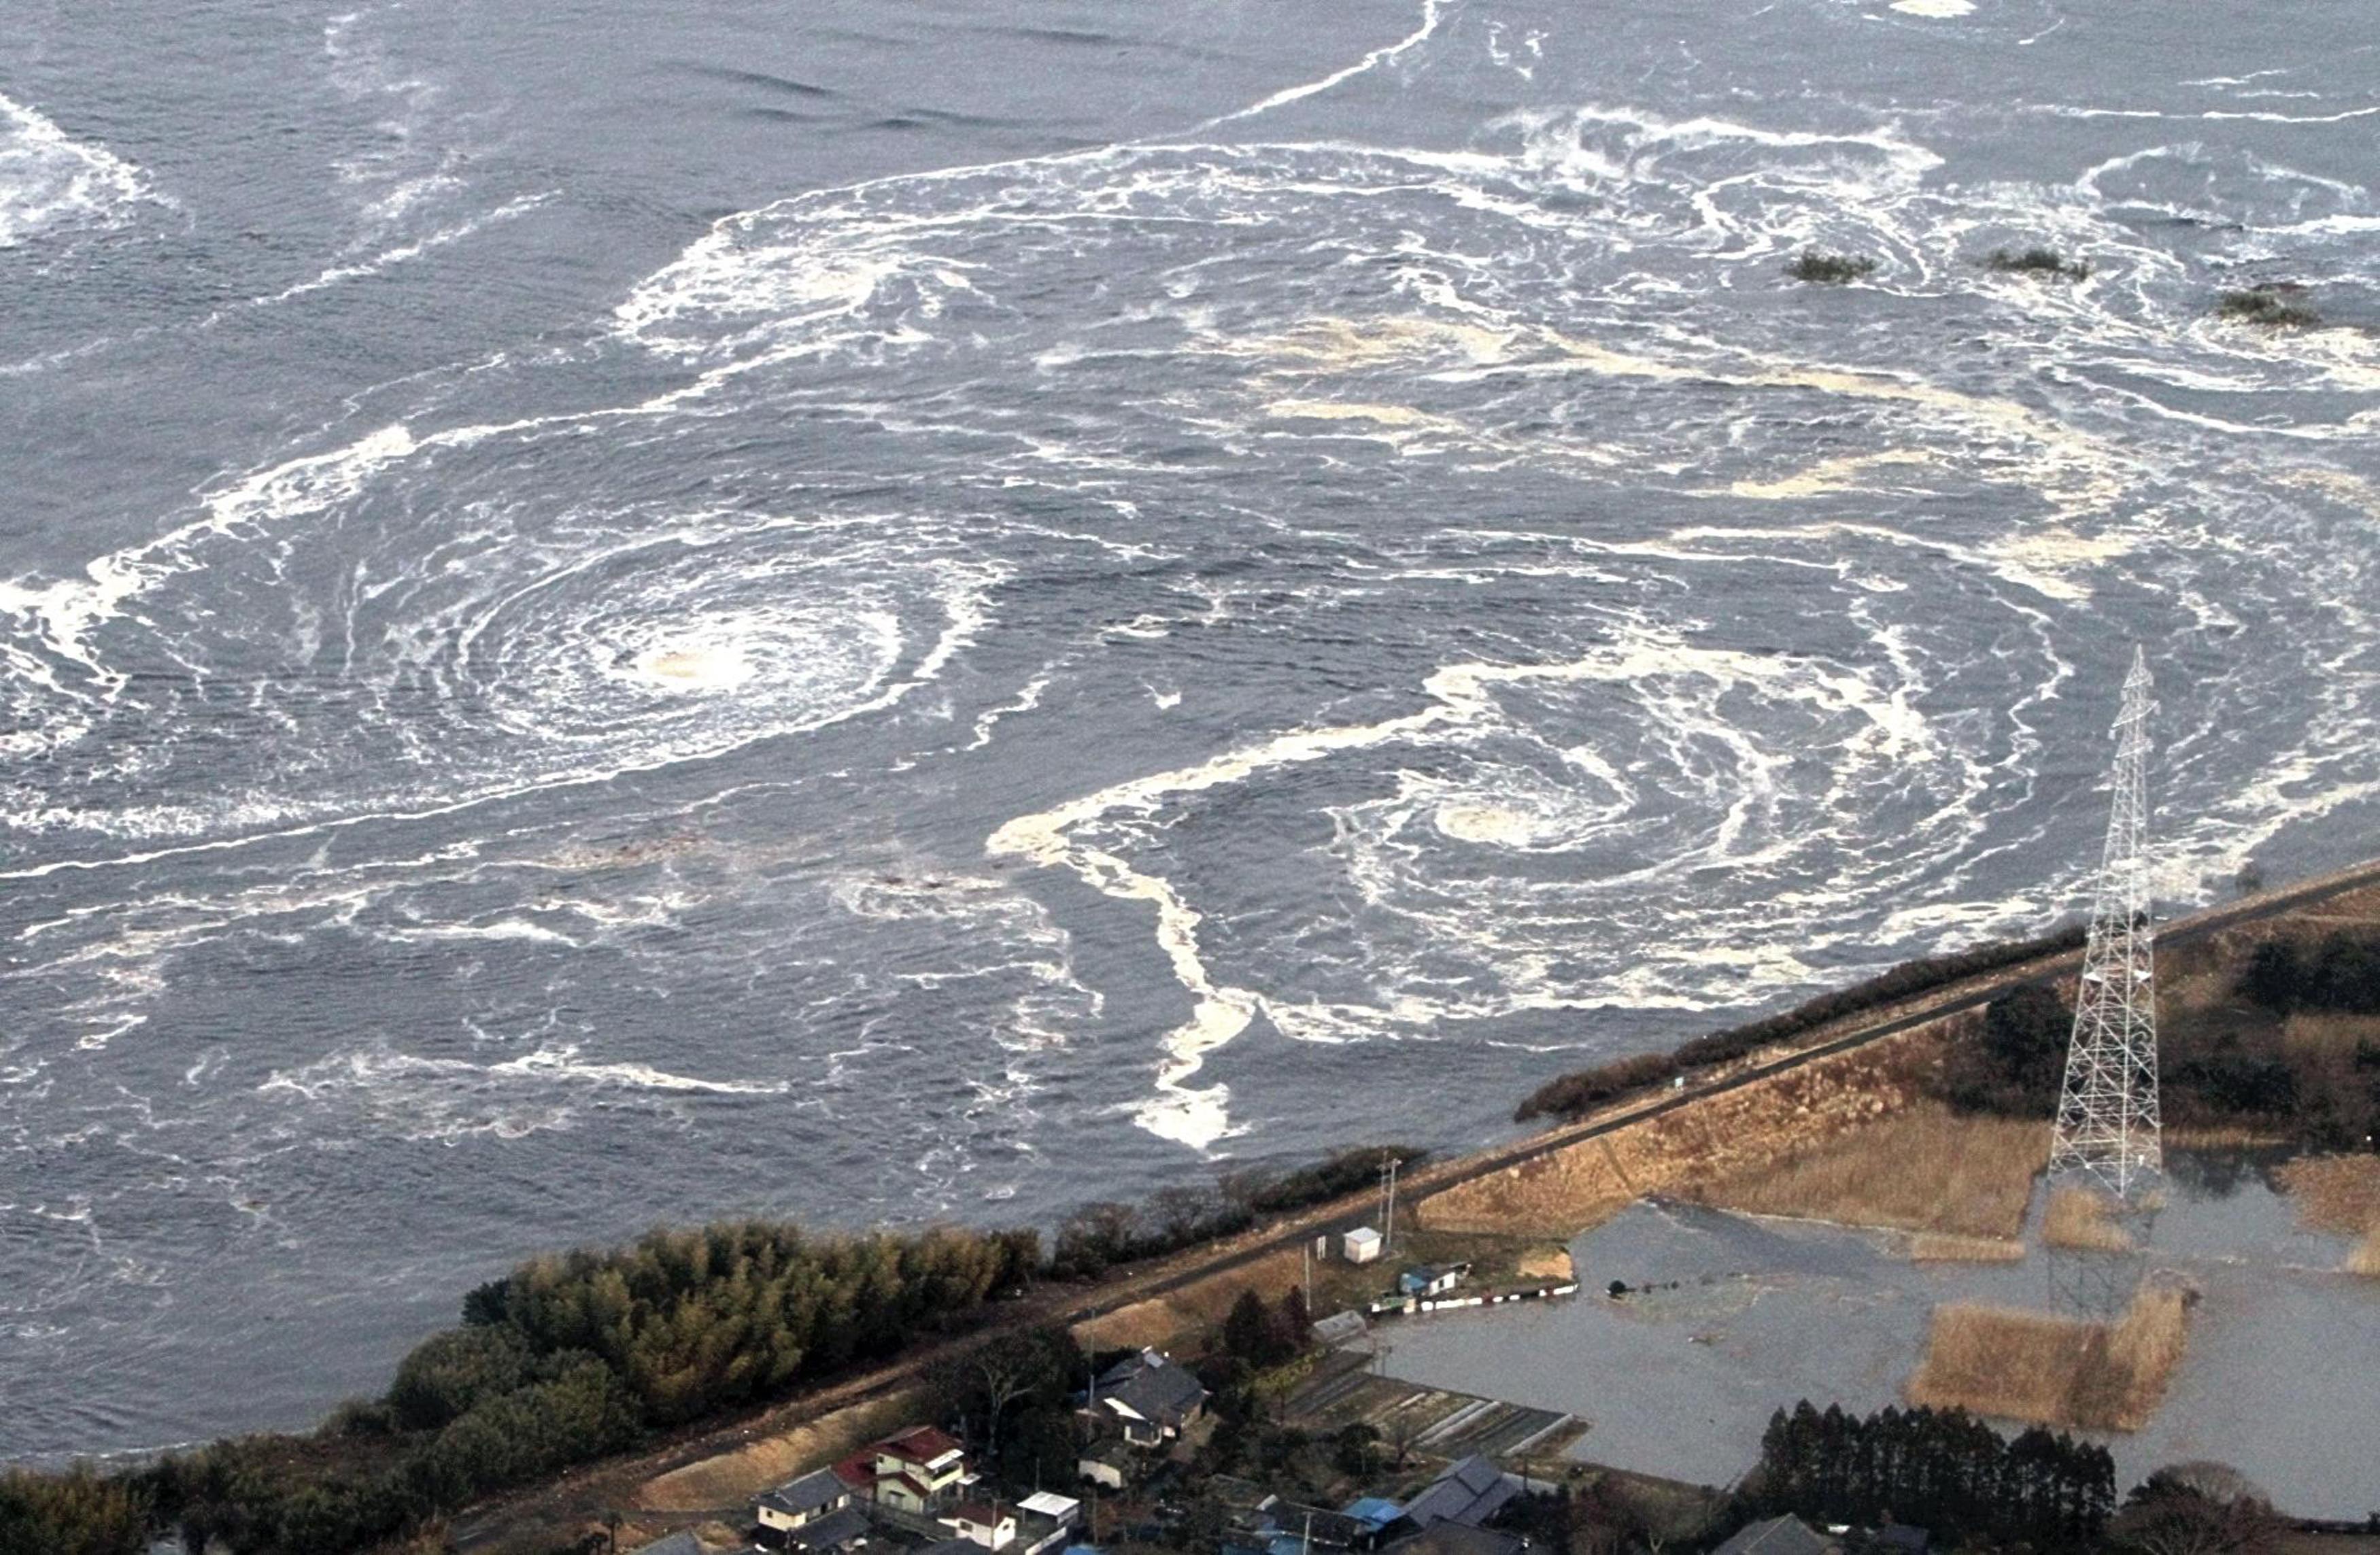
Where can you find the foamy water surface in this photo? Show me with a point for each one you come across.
(903, 613)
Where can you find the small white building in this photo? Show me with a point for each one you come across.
(1061, 1510)
(1361, 1244)
(980, 1524)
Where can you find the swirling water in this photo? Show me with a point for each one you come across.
(614, 614)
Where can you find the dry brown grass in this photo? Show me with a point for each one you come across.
(732, 1477)
(2082, 1220)
(2365, 1259)
(1936, 1247)
(2029, 1366)
(1922, 1168)
(2326, 1034)
(2336, 1194)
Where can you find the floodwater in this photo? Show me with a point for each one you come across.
(1748, 1316)
(616, 612)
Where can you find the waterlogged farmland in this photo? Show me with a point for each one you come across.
(1729, 1318)
(614, 614)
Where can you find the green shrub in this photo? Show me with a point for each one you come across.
(1813, 264)
(2265, 305)
(2036, 261)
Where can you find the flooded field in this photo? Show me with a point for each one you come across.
(1729, 1318)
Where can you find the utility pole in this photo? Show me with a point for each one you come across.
(2108, 1121)
(1389, 1203)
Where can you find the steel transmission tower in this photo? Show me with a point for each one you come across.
(2108, 1122)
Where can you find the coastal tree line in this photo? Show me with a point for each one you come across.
(578, 1355)
(1936, 1468)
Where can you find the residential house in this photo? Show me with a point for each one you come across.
(919, 1469)
(1373, 1511)
(680, 1543)
(1779, 1535)
(1457, 1538)
(837, 1532)
(1149, 1397)
(1339, 1328)
(980, 1524)
(1431, 1281)
(1469, 1493)
(1065, 1510)
(1109, 1464)
(800, 1501)
(1293, 1528)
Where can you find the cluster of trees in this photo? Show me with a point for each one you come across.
(1569, 1095)
(1580, 1092)
(73, 1513)
(1938, 1468)
(1013, 1397)
(2015, 1066)
(2231, 1070)
(2339, 972)
(565, 1359)
(578, 1355)
(1098, 1236)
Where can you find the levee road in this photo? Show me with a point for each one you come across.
(586, 1493)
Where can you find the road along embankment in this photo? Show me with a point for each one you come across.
(1719, 1121)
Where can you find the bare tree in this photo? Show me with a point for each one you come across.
(2198, 1508)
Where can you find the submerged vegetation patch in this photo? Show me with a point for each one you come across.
(2030, 1366)
(1815, 264)
(2036, 261)
(2268, 304)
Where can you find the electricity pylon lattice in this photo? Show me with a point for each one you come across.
(2107, 1120)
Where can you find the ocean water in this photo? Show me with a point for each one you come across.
(614, 614)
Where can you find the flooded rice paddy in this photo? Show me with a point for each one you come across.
(1729, 1318)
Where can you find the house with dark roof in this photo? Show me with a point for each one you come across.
(798, 1502)
(1149, 1397)
(835, 1534)
(679, 1543)
(1457, 1538)
(1469, 1493)
(1779, 1535)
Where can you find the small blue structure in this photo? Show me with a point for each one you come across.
(1373, 1511)
(1431, 1282)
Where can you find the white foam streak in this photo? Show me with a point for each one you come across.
(1431, 11)
(49, 180)
(1463, 705)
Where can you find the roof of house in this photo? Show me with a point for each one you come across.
(819, 1489)
(831, 1532)
(1379, 1511)
(1469, 1492)
(1049, 1503)
(977, 1513)
(679, 1543)
(1363, 1233)
(1902, 1535)
(1340, 1327)
(1456, 1539)
(858, 1471)
(1151, 1387)
(1779, 1535)
(921, 1444)
(1295, 1521)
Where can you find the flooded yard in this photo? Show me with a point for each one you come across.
(1729, 1319)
